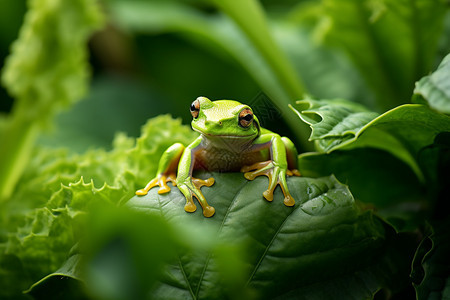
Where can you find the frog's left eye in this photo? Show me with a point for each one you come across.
(195, 108)
(245, 118)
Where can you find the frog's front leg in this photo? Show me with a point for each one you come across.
(166, 170)
(275, 169)
(190, 186)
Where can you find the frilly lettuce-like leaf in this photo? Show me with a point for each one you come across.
(402, 131)
(48, 66)
(434, 89)
(157, 135)
(41, 244)
(324, 241)
(47, 70)
(45, 213)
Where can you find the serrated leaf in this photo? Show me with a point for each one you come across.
(56, 227)
(402, 131)
(435, 88)
(157, 135)
(48, 209)
(335, 119)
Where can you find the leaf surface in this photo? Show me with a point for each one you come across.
(403, 131)
(435, 88)
(289, 249)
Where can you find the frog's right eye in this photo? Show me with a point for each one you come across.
(195, 108)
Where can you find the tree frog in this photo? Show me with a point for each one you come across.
(230, 140)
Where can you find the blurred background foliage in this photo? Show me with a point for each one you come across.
(155, 57)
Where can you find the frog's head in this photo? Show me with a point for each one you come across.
(224, 118)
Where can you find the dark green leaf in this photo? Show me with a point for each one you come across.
(431, 268)
(377, 178)
(290, 250)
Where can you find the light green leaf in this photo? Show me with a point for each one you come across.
(47, 211)
(435, 88)
(403, 131)
(392, 43)
(333, 122)
(46, 71)
(56, 227)
(158, 134)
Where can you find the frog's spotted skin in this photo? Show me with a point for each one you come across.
(230, 140)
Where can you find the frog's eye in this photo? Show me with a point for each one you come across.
(245, 118)
(195, 108)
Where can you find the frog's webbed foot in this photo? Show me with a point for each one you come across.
(190, 189)
(276, 175)
(161, 181)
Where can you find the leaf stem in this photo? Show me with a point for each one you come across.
(249, 15)
(15, 152)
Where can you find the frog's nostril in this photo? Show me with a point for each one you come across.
(220, 123)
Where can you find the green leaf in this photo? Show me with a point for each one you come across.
(376, 178)
(62, 284)
(431, 271)
(158, 134)
(324, 241)
(392, 43)
(47, 211)
(333, 122)
(403, 131)
(290, 250)
(435, 88)
(46, 71)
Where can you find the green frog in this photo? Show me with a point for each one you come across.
(231, 140)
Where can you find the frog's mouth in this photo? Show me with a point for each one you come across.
(224, 136)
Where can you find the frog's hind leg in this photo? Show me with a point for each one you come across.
(291, 157)
(166, 170)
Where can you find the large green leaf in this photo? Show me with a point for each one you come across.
(376, 178)
(392, 43)
(289, 249)
(402, 131)
(323, 247)
(435, 88)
